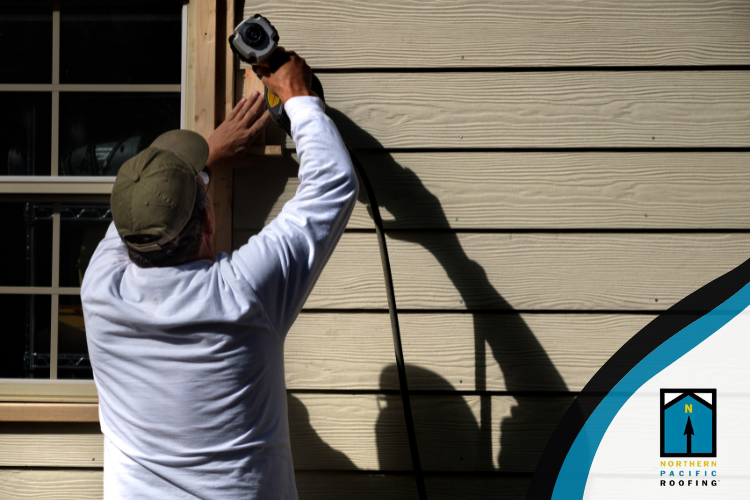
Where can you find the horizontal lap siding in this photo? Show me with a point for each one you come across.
(581, 109)
(86, 484)
(525, 352)
(45, 484)
(578, 197)
(509, 190)
(485, 33)
(351, 432)
(527, 271)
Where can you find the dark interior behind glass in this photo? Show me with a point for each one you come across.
(121, 44)
(82, 227)
(25, 133)
(26, 250)
(99, 131)
(26, 336)
(26, 44)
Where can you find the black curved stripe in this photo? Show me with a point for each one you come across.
(664, 326)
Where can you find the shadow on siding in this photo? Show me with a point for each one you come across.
(449, 434)
(525, 432)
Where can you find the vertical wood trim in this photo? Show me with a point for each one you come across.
(252, 82)
(220, 192)
(183, 67)
(231, 61)
(213, 72)
(205, 66)
(54, 298)
(191, 72)
(220, 189)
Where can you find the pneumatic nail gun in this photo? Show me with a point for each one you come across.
(254, 41)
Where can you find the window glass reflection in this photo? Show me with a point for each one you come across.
(101, 131)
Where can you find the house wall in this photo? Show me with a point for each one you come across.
(552, 175)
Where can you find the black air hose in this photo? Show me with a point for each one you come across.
(404, 386)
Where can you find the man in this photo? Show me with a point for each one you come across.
(187, 352)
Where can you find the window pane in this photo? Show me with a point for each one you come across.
(73, 353)
(26, 334)
(25, 133)
(100, 131)
(82, 227)
(121, 44)
(26, 44)
(27, 245)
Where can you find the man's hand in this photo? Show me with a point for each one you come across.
(287, 76)
(229, 145)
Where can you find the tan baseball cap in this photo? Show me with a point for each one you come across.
(153, 195)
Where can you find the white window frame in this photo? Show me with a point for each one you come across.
(61, 189)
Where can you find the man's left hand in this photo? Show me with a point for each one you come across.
(229, 145)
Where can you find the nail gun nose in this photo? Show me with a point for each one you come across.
(254, 35)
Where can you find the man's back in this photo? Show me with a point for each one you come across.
(188, 360)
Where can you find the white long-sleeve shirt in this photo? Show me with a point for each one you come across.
(189, 360)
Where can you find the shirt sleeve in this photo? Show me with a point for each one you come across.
(110, 254)
(283, 262)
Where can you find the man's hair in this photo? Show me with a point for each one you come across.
(185, 245)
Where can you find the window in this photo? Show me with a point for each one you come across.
(83, 88)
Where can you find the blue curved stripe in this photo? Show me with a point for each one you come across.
(574, 472)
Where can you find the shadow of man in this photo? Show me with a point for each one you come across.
(526, 368)
(525, 365)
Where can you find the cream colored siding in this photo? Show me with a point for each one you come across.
(587, 171)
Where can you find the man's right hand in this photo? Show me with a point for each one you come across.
(287, 76)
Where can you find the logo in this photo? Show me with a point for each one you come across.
(688, 422)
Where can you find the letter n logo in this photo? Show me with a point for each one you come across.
(688, 422)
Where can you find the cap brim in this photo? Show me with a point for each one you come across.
(190, 146)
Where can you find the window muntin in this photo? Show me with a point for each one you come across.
(81, 107)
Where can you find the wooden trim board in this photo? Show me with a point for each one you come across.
(48, 391)
(49, 412)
